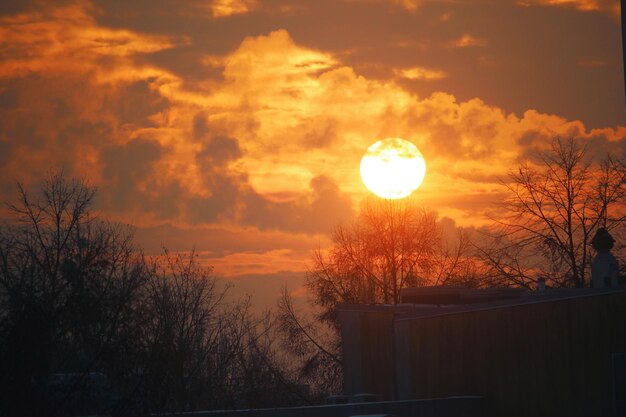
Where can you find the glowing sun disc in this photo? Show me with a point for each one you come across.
(393, 168)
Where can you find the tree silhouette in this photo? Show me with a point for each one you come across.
(193, 335)
(391, 245)
(555, 205)
(89, 325)
(66, 285)
(314, 347)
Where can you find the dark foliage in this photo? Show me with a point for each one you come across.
(392, 245)
(89, 326)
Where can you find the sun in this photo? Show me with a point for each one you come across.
(393, 168)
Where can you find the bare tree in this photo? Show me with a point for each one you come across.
(185, 333)
(265, 370)
(314, 346)
(88, 325)
(391, 245)
(204, 350)
(555, 205)
(456, 262)
(67, 281)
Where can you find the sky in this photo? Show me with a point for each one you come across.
(236, 127)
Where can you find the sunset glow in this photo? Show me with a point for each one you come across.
(229, 206)
(238, 126)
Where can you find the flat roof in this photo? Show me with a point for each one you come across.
(412, 311)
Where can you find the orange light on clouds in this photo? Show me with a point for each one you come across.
(586, 5)
(225, 8)
(467, 41)
(421, 73)
(263, 130)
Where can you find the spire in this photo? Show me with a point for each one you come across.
(605, 268)
(602, 241)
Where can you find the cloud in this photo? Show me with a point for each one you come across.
(420, 73)
(468, 40)
(264, 154)
(445, 17)
(275, 146)
(220, 185)
(127, 168)
(611, 7)
(467, 145)
(67, 38)
(323, 207)
(227, 8)
(408, 5)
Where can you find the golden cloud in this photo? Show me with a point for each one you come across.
(608, 6)
(409, 5)
(254, 168)
(309, 116)
(467, 40)
(225, 8)
(65, 38)
(420, 73)
(275, 145)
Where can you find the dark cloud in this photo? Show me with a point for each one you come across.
(187, 61)
(70, 122)
(219, 241)
(323, 208)
(200, 127)
(232, 198)
(47, 126)
(320, 134)
(598, 144)
(167, 200)
(125, 168)
(219, 150)
(190, 22)
(219, 207)
(466, 131)
(8, 8)
(223, 184)
(530, 138)
(38, 107)
(135, 102)
(77, 121)
(316, 212)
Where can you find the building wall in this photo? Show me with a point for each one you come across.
(543, 359)
(553, 358)
(368, 353)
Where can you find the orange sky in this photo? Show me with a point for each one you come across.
(237, 126)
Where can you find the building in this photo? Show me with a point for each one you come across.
(541, 353)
